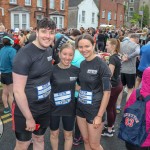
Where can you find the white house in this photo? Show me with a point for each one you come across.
(83, 13)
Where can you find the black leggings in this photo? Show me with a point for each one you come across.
(111, 108)
(68, 122)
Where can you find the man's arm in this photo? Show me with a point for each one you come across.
(19, 82)
(136, 53)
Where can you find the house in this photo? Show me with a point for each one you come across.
(83, 13)
(25, 13)
(131, 7)
(112, 12)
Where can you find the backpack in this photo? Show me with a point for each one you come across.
(133, 125)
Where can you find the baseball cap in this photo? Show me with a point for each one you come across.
(16, 30)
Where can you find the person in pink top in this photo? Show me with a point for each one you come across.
(145, 91)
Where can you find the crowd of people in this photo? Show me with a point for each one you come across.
(50, 75)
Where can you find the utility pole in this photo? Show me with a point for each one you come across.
(47, 8)
(142, 14)
(99, 13)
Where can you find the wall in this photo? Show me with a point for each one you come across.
(89, 7)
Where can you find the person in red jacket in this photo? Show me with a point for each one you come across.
(145, 91)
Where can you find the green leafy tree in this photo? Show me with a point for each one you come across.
(145, 16)
(145, 20)
(135, 19)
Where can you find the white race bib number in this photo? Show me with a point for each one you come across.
(44, 90)
(62, 98)
(85, 97)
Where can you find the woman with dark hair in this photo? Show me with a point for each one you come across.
(94, 79)
(7, 54)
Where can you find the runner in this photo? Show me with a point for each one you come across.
(31, 74)
(63, 83)
(94, 79)
(113, 47)
(7, 54)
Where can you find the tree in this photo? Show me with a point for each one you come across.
(145, 16)
(135, 19)
(145, 19)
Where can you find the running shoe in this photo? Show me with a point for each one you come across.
(78, 141)
(6, 110)
(105, 132)
(118, 110)
(106, 127)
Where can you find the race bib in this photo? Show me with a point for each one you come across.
(62, 98)
(43, 91)
(85, 97)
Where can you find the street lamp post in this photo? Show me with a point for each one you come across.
(142, 15)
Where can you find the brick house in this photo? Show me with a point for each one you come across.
(132, 6)
(25, 13)
(111, 12)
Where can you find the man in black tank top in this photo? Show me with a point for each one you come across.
(32, 69)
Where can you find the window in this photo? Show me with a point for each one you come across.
(93, 17)
(109, 15)
(131, 1)
(24, 23)
(131, 11)
(120, 17)
(27, 2)
(59, 20)
(20, 20)
(39, 3)
(13, 1)
(52, 4)
(83, 16)
(62, 4)
(39, 17)
(103, 14)
(115, 16)
(16, 21)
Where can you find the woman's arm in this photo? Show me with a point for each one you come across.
(112, 68)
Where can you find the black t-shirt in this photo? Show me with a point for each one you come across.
(116, 61)
(37, 65)
(91, 76)
(101, 37)
(63, 83)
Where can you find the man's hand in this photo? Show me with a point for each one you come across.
(125, 57)
(30, 124)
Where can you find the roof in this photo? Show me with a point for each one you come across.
(97, 3)
(19, 8)
(75, 3)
